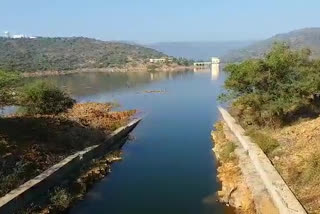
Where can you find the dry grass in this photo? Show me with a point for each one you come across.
(60, 199)
(31, 144)
(99, 116)
(227, 152)
(224, 148)
(264, 141)
(234, 189)
(298, 161)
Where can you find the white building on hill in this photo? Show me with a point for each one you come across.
(161, 60)
(18, 36)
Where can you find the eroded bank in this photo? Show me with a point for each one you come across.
(267, 190)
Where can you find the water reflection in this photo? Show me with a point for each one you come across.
(213, 68)
(169, 166)
(94, 83)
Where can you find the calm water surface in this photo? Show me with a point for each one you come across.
(169, 166)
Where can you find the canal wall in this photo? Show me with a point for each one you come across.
(260, 175)
(37, 188)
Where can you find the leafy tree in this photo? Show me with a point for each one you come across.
(42, 98)
(274, 90)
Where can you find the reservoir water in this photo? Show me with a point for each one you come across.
(168, 166)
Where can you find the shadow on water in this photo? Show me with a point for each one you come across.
(169, 166)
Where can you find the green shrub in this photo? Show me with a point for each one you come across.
(265, 142)
(8, 81)
(226, 153)
(60, 199)
(43, 98)
(274, 90)
(10, 181)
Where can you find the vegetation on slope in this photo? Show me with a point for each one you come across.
(35, 97)
(56, 54)
(275, 90)
(303, 38)
(43, 98)
(44, 140)
(8, 81)
(234, 190)
(298, 160)
(274, 98)
(53, 128)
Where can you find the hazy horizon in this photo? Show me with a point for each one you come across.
(148, 22)
(2, 34)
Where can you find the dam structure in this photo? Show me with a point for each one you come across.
(213, 67)
(214, 61)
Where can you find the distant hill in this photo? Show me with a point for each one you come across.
(70, 53)
(303, 38)
(198, 50)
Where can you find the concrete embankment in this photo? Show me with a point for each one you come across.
(234, 190)
(269, 191)
(37, 188)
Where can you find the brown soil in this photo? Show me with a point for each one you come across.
(31, 144)
(298, 161)
(99, 116)
(234, 189)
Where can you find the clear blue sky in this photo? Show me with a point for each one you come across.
(158, 20)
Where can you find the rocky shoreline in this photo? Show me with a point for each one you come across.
(64, 197)
(140, 68)
(234, 191)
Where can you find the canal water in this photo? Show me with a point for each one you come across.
(168, 166)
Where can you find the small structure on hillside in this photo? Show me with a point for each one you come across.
(7, 34)
(161, 60)
(17, 36)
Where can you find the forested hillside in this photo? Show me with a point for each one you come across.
(303, 38)
(43, 54)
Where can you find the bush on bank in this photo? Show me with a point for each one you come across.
(8, 81)
(43, 98)
(38, 97)
(274, 90)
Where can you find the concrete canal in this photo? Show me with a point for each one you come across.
(168, 166)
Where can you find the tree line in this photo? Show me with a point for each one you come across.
(274, 90)
(56, 54)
